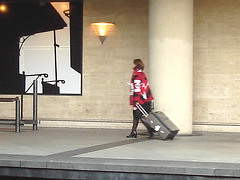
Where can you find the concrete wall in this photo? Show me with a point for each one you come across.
(106, 70)
(216, 65)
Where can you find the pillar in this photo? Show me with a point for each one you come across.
(170, 59)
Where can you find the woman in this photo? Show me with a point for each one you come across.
(139, 94)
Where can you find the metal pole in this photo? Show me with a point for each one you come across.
(55, 56)
(17, 125)
(35, 121)
(21, 108)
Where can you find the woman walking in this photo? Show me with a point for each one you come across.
(139, 94)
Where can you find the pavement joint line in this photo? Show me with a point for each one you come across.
(96, 148)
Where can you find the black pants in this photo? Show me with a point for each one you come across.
(138, 115)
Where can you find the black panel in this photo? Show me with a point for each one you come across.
(30, 18)
(11, 82)
(50, 89)
(76, 34)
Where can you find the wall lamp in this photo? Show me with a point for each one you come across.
(102, 29)
(3, 8)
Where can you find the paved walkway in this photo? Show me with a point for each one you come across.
(39, 153)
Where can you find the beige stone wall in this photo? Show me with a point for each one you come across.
(106, 70)
(216, 65)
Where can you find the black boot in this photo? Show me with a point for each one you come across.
(133, 133)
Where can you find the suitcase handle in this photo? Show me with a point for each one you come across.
(142, 110)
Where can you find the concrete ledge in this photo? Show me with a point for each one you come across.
(217, 128)
(89, 124)
(94, 175)
(90, 165)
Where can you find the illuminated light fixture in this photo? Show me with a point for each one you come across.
(3, 8)
(102, 29)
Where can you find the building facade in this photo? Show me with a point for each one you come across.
(191, 62)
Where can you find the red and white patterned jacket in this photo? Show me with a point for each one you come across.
(139, 88)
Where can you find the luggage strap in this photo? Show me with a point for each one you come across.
(142, 110)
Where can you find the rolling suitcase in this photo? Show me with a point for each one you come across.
(160, 123)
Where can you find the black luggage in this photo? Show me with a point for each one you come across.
(160, 123)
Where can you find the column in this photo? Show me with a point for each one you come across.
(170, 59)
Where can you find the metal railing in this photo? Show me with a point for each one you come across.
(15, 122)
(34, 85)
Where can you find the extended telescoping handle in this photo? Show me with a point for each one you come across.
(142, 110)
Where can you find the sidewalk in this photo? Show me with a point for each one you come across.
(66, 153)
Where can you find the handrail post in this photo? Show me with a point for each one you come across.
(21, 108)
(21, 105)
(17, 125)
(35, 121)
